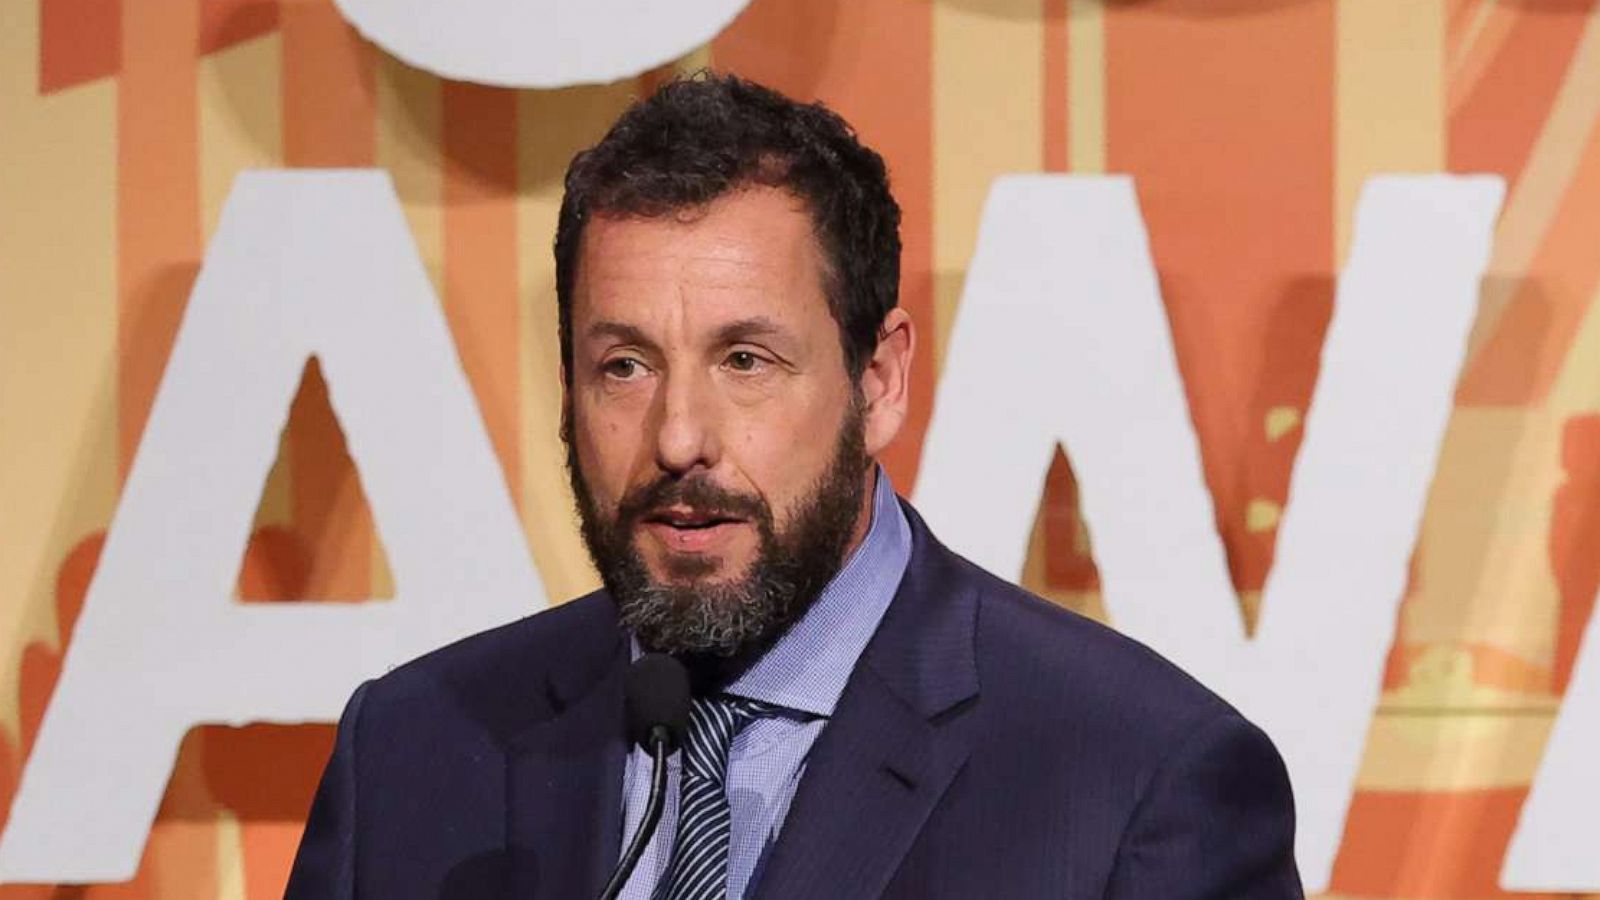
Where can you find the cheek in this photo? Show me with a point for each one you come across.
(607, 448)
(784, 452)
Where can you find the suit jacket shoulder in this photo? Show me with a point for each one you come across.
(1090, 766)
(1042, 663)
(443, 781)
(507, 678)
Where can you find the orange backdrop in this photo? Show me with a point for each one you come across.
(1249, 126)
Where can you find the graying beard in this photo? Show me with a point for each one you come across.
(717, 619)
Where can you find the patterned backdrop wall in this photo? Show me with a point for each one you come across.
(1249, 126)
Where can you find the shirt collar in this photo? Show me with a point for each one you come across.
(807, 668)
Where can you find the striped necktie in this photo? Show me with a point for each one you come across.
(699, 866)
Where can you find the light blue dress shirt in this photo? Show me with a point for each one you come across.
(804, 673)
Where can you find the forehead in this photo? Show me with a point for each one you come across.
(751, 250)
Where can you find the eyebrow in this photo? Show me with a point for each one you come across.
(745, 329)
(622, 332)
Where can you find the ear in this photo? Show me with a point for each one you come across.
(886, 381)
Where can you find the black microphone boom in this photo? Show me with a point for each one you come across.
(656, 698)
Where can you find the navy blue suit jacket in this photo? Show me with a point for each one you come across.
(988, 745)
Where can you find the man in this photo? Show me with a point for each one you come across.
(874, 716)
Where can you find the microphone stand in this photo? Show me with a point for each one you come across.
(659, 741)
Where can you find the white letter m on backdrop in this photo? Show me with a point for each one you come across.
(1062, 292)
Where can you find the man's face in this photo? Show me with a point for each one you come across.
(717, 439)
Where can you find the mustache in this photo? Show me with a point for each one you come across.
(697, 493)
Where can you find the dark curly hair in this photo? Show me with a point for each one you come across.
(698, 138)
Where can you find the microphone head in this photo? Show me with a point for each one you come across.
(656, 698)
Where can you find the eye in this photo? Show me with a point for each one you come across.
(623, 368)
(744, 361)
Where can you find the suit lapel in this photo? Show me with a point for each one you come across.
(903, 728)
(564, 786)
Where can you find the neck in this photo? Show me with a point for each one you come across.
(863, 522)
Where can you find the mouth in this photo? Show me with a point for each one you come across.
(689, 530)
(685, 517)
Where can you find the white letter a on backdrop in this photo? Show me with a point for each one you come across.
(302, 264)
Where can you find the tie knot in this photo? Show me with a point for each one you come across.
(713, 724)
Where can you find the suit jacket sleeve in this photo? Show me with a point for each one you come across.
(324, 867)
(1216, 821)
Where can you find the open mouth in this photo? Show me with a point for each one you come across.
(696, 531)
(691, 519)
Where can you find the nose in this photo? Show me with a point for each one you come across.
(687, 433)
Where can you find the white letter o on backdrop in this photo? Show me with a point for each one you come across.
(539, 43)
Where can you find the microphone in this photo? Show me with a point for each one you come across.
(656, 700)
